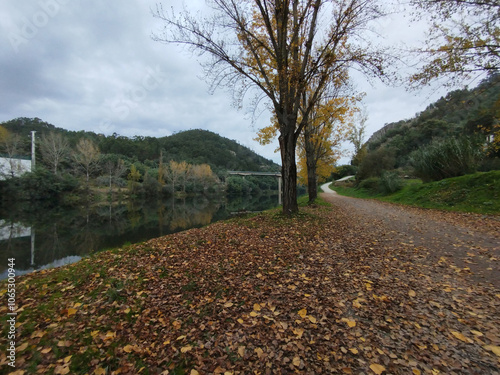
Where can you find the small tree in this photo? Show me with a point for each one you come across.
(86, 156)
(54, 149)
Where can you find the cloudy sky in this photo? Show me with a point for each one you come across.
(92, 65)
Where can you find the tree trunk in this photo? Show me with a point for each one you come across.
(312, 181)
(289, 172)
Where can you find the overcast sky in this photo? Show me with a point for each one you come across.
(92, 65)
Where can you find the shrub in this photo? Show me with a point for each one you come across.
(390, 182)
(375, 163)
(452, 157)
(371, 184)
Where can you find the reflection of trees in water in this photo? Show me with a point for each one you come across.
(76, 232)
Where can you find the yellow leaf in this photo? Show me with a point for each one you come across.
(61, 370)
(240, 321)
(194, 372)
(77, 305)
(354, 351)
(493, 348)
(99, 371)
(180, 338)
(356, 304)
(22, 347)
(256, 307)
(350, 322)
(186, 349)
(460, 336)
(126, 311)
(71, 311)
(377, 369)
(228, 304)
(128, 349)
(476, 333)
(298, 332)
(416, 371)
(412, 293)
(302, 313)
(253, 314)
(67, 359)
(296, 361)
(312, 319)
(46, 350)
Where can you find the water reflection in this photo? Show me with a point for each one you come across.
(41, 238)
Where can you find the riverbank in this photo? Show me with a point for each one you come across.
(315, 293)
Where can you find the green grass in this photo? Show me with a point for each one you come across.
(479, 193)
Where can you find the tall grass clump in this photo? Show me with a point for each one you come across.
(447, 158)
(390, 182)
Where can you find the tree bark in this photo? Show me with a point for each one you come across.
(312, 180)
(289, 172)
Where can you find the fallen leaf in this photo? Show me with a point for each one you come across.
(22, 347)
(296, 361)
(256, 307)
(228, 304)
(312, 319)
(461, 337)
(61, 370)
(186, 349)
(100, 371)
(412, 293)
(354, 351)
(128, 349)
(71, 311)
(302, 313)
(241, 351)
(493, 348)
(377, 369)
(259, 352)
(194, 372)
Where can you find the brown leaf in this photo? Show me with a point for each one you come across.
(377, 369)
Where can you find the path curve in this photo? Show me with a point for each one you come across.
(469, 241)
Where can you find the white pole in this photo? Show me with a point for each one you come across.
(33, 161)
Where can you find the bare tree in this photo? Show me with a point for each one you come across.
(278, 47)
(54, 149)
(87, 157)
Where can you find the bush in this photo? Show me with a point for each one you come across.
(390, 182)
(371, 184)
(375, 163)
(452, 157)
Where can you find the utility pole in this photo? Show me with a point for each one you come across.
(33, 161)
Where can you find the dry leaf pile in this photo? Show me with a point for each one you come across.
(263, 295)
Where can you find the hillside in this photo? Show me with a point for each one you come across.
(193, 146)
(460, 112)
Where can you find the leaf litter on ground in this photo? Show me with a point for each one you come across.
(312, 294)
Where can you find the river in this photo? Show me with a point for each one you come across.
(41, 238)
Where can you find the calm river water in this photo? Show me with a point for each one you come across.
(46, 238)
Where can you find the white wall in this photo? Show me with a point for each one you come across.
(19, 166)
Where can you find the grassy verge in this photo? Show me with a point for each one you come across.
(479, 193)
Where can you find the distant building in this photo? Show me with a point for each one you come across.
(13, 167)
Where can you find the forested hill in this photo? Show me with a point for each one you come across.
(460, 112)
(192, 146)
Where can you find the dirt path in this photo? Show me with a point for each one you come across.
(470, 242)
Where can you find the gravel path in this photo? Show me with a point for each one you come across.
(469, 241)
